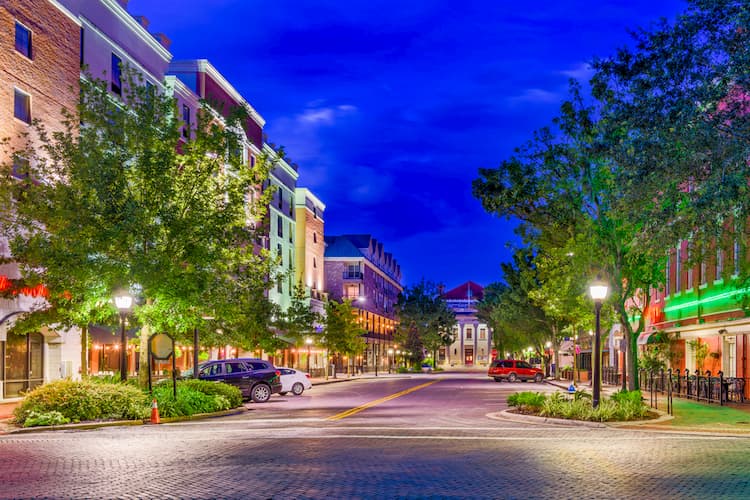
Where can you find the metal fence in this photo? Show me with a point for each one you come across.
(698, 386)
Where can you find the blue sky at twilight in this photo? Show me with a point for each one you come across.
(389, 108)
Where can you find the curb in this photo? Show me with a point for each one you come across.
(517, 417)
(115, 423)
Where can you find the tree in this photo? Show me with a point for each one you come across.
(124, 200)
(342, 333)
(299, 320)
(564, 182)
(425, 320)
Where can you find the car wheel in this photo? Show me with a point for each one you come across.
(260, 393)
(538, 378)
(512, 377)
(282, 393)
(298, 388)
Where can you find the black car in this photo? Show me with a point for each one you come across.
(255, 378)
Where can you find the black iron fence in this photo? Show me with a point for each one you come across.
(698, 386)
(611, 376)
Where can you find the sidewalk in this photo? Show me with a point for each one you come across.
(689, 415)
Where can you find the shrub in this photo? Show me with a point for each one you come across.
(527, 402)
(190, 401)
(230, 392)
(84, 400)
(34, 419)
(620, 407)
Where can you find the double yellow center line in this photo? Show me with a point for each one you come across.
(357, 409)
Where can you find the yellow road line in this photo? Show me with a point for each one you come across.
(365, 406)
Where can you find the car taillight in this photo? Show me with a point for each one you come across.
(278, 373)
(307, 375)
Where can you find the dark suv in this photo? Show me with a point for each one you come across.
(257, 379)
(514, 369)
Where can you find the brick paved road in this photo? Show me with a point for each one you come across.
(431, 443)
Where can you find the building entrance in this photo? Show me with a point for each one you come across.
(469, 356)
(22, 363)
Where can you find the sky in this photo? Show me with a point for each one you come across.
(389, 108)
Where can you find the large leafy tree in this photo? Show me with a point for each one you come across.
(425, 320)
(342, 332)
(564, 182)
(119, 199)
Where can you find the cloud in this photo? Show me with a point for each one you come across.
(536, 96)
(325, 115)
(581, 72)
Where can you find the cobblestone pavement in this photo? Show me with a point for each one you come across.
(374, 454)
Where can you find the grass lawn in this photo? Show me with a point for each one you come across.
(692, 414)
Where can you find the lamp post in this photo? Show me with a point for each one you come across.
(123, 302)
(309, 342)
(598, 291)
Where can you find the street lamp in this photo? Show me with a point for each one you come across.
(598, 291)
(123, 302)
(309, 342)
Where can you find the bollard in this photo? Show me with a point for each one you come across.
(155, 412)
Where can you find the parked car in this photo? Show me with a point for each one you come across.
(294, 381)
(257, 379)
(514, 369)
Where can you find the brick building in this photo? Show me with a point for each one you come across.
(358, 269)
(39, 72)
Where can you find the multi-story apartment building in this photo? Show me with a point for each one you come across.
(309, 266)
(310, 247)
(472, 338)
(282, 227)
(358, 269)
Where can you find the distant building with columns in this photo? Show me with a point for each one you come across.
(473, 339)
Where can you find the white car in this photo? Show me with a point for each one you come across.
(294, 381)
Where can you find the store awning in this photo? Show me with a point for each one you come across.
(643, 338)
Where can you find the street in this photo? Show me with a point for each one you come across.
(410, 437)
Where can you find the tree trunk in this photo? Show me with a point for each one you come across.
(84, 351)
(632, 360)
(145, 333)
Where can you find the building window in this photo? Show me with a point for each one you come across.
(469, 332)
(690, 266)
(22, 106)
(703, 272)
(315, 212)
(736, 257)
(667, 287)
(23, 39)
(279, 227)
(291, 233)
(81, 48)
(280, 284)
(482, 334)
(20, 168)
(719, 264)
(315, 263)
(252, 160)
(281, 198)
(116, 79)
(289, 262)
(315, 237)
(678, 269)
(186, 120)
(278, 249)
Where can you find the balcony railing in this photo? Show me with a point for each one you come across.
(353, 275)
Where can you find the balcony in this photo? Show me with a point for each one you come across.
(353, 275)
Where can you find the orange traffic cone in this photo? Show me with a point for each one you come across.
(154, 412)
